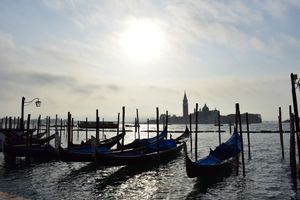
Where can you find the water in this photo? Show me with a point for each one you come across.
(267, 176)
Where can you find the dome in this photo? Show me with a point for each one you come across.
(205, 108)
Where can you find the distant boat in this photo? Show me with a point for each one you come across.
(132, 125)
(218, 163)
(93, 124)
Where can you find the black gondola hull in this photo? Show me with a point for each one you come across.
(209, 171)
(137, 159)
(38, 153)
(108, 143)
(71, 156)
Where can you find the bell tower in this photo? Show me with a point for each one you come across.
(185, 106)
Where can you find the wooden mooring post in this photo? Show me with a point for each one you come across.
(72, 131)
(86, 129)
(49, 124)
(241, 135)
(167, 121)
(135, 127)
(281, 133)
(61, 127)
(29, 138)
(157, 131)
(56, 130)
(148, 124)
(14, 123)
(196, 133)
(292, 148)
(118, 130)
(295, 80)
(28, 131)
(39, 124)
(248, 136)
(191, 138)
(48, 128)
(103, 134)
(123, 125)
(138, 123)
(77, 130)
(219, 128)
(230, 131)
(236, 130)
(6, 122)
(69, 130)
(97, 125)
(9, 123)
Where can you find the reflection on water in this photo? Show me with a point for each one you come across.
(267, 176)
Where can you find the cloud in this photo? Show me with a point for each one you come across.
(81, 61)
(6, 41)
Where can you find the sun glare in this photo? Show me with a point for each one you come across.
(142, 40)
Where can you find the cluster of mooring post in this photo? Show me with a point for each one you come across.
(9, 123)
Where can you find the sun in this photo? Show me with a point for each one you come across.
(142, 40)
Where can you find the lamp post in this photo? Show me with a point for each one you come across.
(26, 103)
(295, 82)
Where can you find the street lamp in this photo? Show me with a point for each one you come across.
(26, 103)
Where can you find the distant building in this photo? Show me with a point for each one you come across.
(205, 116)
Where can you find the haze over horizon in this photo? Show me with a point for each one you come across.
(79, 55)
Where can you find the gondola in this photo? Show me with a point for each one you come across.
(108, 143)
(149, 156)
(184, 136)
(218, 163)
(84, 153)
(13, 137)
(35, 152)
(140, 143)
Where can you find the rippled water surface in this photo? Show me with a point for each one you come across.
(267, 175)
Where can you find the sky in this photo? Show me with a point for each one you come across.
(79, 56)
